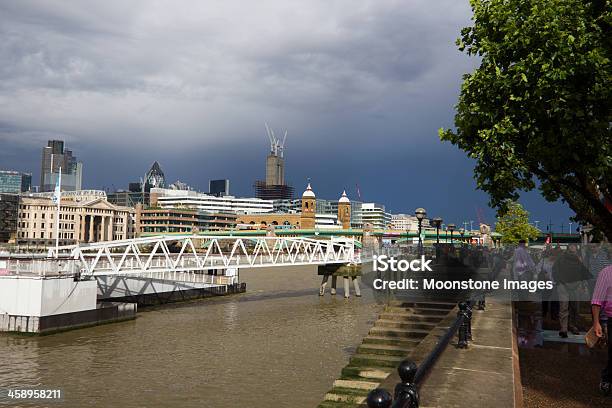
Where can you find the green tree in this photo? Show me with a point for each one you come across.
(514, 225)
(537, 112)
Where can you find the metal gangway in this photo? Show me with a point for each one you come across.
(201, 253)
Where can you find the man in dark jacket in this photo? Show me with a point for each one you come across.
(569, 273)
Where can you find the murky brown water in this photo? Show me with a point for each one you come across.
(279, 345)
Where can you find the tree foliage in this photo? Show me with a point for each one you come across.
(537, 112)
(514, 225)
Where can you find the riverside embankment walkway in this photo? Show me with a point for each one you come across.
(486, 374)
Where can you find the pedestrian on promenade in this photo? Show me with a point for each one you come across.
(601, 308)
(599, 258)
(545, 272)
(523, 266)
(571, 275)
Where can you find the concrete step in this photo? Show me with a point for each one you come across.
(417, 311)
(375, 360)
(391, 341)
(384, 349)
(404, 324)
(402, 333)
(417, 304)
(366, 373)
(346, 395)
(335, 404)
(356, 384)
(411, 317)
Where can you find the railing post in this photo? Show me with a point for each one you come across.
(464, 328)
(469, 326)
(406, 393)
(379, 398)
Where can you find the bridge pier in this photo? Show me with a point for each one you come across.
(347, 272)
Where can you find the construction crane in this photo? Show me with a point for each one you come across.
(276, 146)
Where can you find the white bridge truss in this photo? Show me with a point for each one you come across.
(197, 253)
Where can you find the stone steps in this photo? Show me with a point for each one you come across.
(410, 317)
(366, 373)
(401, 333)
(391, 341)
(346, 395)
(384, 349)
(399, 329)
(355, 384)
(375, 360)
(417, 311)
(435, 305)
(335, 404)
(406, 324)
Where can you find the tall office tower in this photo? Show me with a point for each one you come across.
(274, 187)
(219, 188)
(54, 156)
(155, 177)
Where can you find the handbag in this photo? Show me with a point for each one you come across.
(592, 341)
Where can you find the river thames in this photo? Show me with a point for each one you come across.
(279, 344)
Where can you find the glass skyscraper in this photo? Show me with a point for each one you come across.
(15, 182)
(54, 156)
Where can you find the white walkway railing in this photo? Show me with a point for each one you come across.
(191, 253)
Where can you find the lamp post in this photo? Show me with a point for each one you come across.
(420, 214)
(462, 233)
(451, 228)
(437, 222)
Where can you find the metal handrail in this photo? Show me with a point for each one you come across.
(406, 393)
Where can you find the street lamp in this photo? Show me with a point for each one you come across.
(462, 232)
(451, 228)
(420, 214)
(437, 222)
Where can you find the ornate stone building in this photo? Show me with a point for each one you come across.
(306, 218)
(85, 216)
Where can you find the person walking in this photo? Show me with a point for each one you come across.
(523, 266)
(569, 273)
(545, 272)
(601, 308)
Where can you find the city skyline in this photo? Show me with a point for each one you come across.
(361, 90)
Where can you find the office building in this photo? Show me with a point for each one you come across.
(155, 177)
(166, 198)
(219, 188)
(15, 182)
(85, 216)
(179, 185)
(374, 216)
(54, 157)
(9, 213)
(128, 198)
(180, 220)
(406, 222)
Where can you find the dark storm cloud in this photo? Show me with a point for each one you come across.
(118, 57)
(362, 87)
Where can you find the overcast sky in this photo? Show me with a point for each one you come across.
(361, 87)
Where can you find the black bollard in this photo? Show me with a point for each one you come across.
(379, 398)
(406, 393)
(463, 328)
